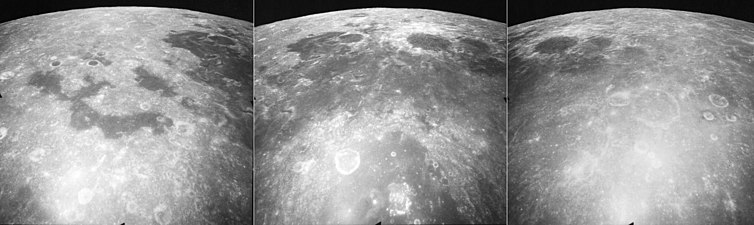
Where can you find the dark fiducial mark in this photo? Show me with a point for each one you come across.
(600, 43)
(348, 38)
(222, 40)
(83, 117)
(428, 42)
(97, 57)
(188, 15)
(505, 99)
(315, 45)
(360, 15)
(152, 82)
(93, 63)
(55, 63)
(476, 46)
(555, 45)
(489, 66)
(48, 81)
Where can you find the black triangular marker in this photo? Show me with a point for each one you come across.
(632, 223)
(379, 223)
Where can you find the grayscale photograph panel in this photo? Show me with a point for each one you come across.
(125, 114)
(631, 114)
(379, 114)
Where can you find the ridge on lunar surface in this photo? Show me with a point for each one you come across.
(631, 116)
(418, 94)
(129, 115)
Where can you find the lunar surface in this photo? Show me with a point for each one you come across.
(347, 161)
(125, 115)
(631, 115)
(380, 115)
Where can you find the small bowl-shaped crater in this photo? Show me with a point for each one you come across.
(707, 115)
(55, 63)
(145, 106)
(93, 63)
(731, 118)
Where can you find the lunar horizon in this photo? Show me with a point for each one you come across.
(145, 115)
(380, 115)
(630, 116)
(133, 115)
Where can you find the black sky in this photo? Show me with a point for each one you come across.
(16, 9)
(526, 10)
(274, 10)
